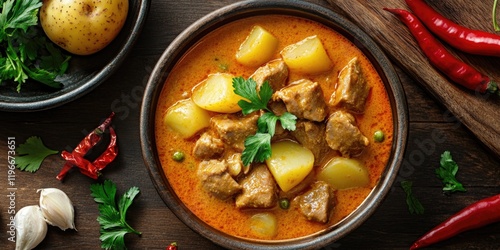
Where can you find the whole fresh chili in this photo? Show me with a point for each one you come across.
(442, 59)
(468, 40)
(478, 214)
(77, 157)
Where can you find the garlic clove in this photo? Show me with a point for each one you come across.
(57, 208)
(31, 227)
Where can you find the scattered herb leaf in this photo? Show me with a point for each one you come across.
(414, 204)
(112, 216)
(447, 171)
(31, 154)
(258, 146)
(25, 51)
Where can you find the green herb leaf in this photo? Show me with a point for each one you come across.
(413, 203)
(112, 218)
(248, 90)
(258, 146)
(447, 172)
(27, 53)
(31, 154)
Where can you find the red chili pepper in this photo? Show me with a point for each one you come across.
(76, 158)
(468, 40)
(478, 214)
(439, 57)
(172, 246)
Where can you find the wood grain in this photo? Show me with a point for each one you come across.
(479, 113)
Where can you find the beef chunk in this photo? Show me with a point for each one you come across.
(259, 189)
(352, 88)
(235, 165)
(216, 180)
(317, 203)
(312, 136)
(343, 135)
(274, 72)
(304, 99)
(234, 129)
(208, 147)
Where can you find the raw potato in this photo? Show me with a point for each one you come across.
(264, 225)
(307, 56)
(344, 173)
(186, 118)
(258, 48)
(289, 163)
(216, 93)
(83, 27)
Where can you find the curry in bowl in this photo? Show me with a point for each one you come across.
(273, 127)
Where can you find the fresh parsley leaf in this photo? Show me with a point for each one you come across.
(25, 51)
(447, 171)
(248, 90)
(31, 154)
(112, 216)
(258, 146)
(413, 203)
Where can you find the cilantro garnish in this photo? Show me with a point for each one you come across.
(25, 52)
(31, 154)
(414, 204)
(447, 171)
(258, 146)
(111, 215)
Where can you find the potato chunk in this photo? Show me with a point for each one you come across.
(289, 163)
(307, 56)
(264, 225)
(258, 48)
(186, 118)
(216, 93)
(344, 173)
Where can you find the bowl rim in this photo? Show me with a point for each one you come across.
(53, 100)
(293, 7)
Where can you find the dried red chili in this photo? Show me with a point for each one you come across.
(77, 157)
(468, 40)
(478, 214)
(442, 59)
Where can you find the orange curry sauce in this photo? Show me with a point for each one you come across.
(216, 53)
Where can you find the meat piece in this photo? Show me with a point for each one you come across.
(274, 72)
(304, 99)
(312, 136)
(352, 88)
(343, 135)
(317, 203)
(216, 180)
(235, 165)
(259, 189)
(208, 147)
(234, 129)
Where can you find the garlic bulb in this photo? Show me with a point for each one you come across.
(57, 208)
(31, 227)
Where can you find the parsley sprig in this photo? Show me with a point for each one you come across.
(447, 171)
(413, 203)
(25, 52)
(258, 146)
(30, 155)
(112, 217)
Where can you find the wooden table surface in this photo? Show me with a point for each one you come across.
(391, 227)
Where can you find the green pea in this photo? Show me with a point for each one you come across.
(378, 136)
(284, 203)
(178, 156)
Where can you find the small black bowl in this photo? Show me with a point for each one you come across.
(287, 7)
(84, 73)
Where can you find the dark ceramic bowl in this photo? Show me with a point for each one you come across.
(84, 73)
(251, 8)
